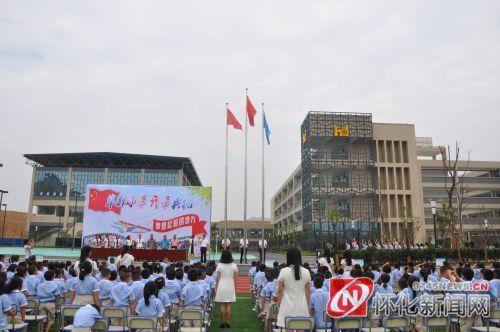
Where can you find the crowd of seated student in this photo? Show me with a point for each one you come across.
(141, 290)
(396, 279)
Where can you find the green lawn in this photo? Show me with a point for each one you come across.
(242, 316)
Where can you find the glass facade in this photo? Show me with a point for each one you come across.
(124, 176)
(50, 183)
(161, 178)
(80, 177)
(338, 176)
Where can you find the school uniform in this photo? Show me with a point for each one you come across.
(112, 267)
(154, 309)
(5, 307)
(205, 286)
(47, 292)
(85, 318)
(384, 291)
(396, 275)
(138, 288)
(267, 294)
(260, 279)
(105, 286)
(62, 286)
(10, 275)
(174, 290)
(32, 283)
(164, 298)
(70, 283)
(319, 300)
(193, 295)
(84, 290)
(122, 294)
(18, 300)
(155, 276)
(181, 283)
(210, 280)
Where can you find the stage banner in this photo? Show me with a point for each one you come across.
(122, 210)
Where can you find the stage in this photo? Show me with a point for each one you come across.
(141, 254)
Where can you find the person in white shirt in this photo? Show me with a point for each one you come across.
(128, 241)
(116, 242)
(96, 242)
(243, 249)
(226, 244)
(139, 243)
(28, 244)
(203, 249)
(106, 241)
(125, 258)
(262, 250)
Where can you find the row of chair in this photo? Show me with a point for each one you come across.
(171, 321)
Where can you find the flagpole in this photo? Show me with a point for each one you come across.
(263, 191)
(225, 180)
(245, 176)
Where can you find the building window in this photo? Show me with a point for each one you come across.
(50, 183)
(124, 176)
(80, 178)
(161, 178)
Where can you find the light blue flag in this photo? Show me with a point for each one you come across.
(266, 129)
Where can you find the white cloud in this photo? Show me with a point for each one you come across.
(153, 77)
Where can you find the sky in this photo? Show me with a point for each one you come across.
(153, 77)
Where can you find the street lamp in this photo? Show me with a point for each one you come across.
(4, 215)
(433, 208)
(486, 245)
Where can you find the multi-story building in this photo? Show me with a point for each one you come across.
(481, 196)
(378, 179)
(59, 182)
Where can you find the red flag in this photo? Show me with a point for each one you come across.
(232, 121)
(250, 112)
(104, 201)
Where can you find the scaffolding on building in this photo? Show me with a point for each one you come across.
(339, 174)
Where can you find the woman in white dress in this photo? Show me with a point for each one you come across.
(326, 260)
(85, 253)
(226, 286)
(294, 291)
(125, 258)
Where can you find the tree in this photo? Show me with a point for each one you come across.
(443, 222)
(456, 192)
(333, 217)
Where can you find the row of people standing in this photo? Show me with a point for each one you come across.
(243, 247)
(115, 241)
(385, 245)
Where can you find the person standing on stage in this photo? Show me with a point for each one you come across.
(174, 244)
(106, 241)
(203, 248)
(128, 241)
(164, 243)
(139, 243)
(116, 242)
(243, 249)
(262, 250)
(96, 242)
(151, 244)
(226, 244)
